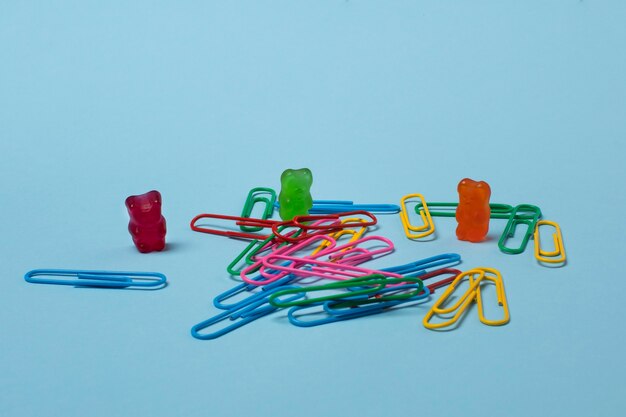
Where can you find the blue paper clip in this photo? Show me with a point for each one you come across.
(255, 308)
(340, 206)
(417, 268)
(218, 301)
(102, 279)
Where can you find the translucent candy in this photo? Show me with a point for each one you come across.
(147, 225)
(473, 211)
(295, 193)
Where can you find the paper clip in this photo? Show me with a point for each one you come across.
(494, 276)
(334, 313)
(254, 308)
(402, 293)
(250, 252)
(269, 244)
(258, 195)
(339, 269)
(460, 306)
(320, 269)
(253, 259)
(339, 206)
(419, 267)
(442, 283)
(329, 318)
(355, 252)
(239, 221)
(355, 234)
(530, 220)
(101, 279)
(371, 284)
(476, 277)
(498, 211)
(368, 285)
(426, 229)
(273, 249)
(558, 254)
(324, 224)
(254, 291)
(231, 266)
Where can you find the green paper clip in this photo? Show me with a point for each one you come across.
(374, 284)
(530, 220)
(256, 195)
(498, 211)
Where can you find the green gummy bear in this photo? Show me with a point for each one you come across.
(295, 193)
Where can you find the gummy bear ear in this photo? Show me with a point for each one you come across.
(286, 175)
(307, 175)
(154, 197)
(464, 183)
(130, 202)
(484, 189)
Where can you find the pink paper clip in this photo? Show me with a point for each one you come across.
(337, 268)
(353, 252)
(320, 269)
(287, 250)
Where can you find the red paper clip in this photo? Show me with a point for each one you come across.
(266, 224)
(443, 282)
(319, 225)
(298, 220)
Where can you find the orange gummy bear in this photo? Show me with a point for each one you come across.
(473, 212)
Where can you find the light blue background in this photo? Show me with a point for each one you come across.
(205, 100)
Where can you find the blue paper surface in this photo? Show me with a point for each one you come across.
(205, 100)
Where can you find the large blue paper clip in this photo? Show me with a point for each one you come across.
(100, 279)
(333, 315)
(219, 300)
(340, 206)
(417, 268)
(252, 308)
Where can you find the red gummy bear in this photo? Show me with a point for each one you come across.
(473, 212)
(147, 225)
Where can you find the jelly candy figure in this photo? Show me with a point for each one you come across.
(147, 225)
(295, 193)
(473, 212)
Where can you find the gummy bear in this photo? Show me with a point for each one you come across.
(295, 193)
(147, 225)
(473, 212)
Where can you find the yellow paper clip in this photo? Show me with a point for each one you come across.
(356, 234)
(462, 303)
(558, 254)
(476, 277)
(496, 278)
(427, 228)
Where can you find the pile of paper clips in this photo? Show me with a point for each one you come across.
(313, 265)
(284, 261)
